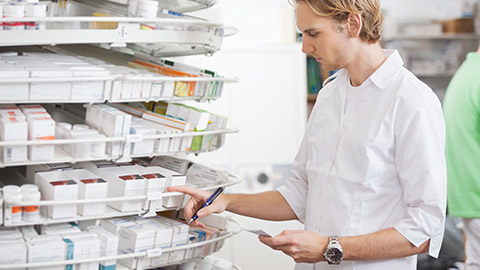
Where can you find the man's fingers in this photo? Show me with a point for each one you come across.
(275, 242)
(193, 192)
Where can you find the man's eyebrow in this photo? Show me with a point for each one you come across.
(310, 30)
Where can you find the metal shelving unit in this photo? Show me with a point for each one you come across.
(122, 37)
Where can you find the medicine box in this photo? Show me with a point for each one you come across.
(50, 90)
(82, 246)
(13, 129)
(41, 128)
(123, 184)
(90, 186)
(108, 246)
(14, 91)
(140, 127)
(60, 228)
(113, 225)
(13, 252)
(57, 186)
(88, 90)
(173, 179)
(163, 239)
(135, 239)
(49, 249)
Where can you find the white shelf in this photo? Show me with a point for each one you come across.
(432, 37)
(191, 36)
(108, 84)
(434, 75)
(139, 255)
(120, 6)
(109, 211)
(62, 156)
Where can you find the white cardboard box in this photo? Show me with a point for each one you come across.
(82, 246)
(14, 91)
(13, 129)
(42, 249)
(88, 90)
(13, 252)
(123, 184)
(108, 246)
(135, 239)
(41, 128)
(50, 90)
(90, 186)
(57, 186)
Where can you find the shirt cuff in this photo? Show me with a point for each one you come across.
(417, 233)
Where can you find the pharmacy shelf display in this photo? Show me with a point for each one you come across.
(132, 43)
(144, 259)
(147, 210)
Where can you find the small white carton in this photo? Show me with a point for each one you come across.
(113, 225)
(46, 249)
(41, 127)
(13, 252)
(14, 91)
(90, 186)
(135, 239)
(82, 246)
(123, 184)
(50, 90)
(108, 246)
(13, 129)
(57, 186)
(163, 239)
(88, 90)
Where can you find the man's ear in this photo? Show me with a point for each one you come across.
(354, 25)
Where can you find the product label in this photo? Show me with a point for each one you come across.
(63, 183)
(131, 177)
(30, 209)
(16, 209)
(93, 181)
(153, 176)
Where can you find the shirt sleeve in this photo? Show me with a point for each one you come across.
(421, 169)
(296, 188)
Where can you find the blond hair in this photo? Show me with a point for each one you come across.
(339, 10)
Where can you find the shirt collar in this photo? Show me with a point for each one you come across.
(385, 73)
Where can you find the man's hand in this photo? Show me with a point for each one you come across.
(198, 198)
(302, 246)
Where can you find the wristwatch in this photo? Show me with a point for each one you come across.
(333, 253)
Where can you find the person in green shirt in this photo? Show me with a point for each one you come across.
(461, 107)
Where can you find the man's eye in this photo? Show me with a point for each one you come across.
(310, 34)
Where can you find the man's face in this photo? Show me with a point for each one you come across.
(324, 39)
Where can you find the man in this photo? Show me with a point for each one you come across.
(369, 178)
(462, 118)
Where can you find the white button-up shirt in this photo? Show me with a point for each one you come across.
(376, 164)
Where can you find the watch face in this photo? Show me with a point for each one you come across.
(334, 255)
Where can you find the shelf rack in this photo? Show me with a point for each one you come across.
(108, 83)
(139, 255)
(459, 36)
(62, 156)
(109, 212)
(120, 6)
(192, 35)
